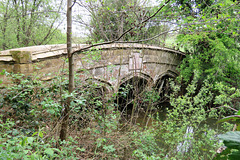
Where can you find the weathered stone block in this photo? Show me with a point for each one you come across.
(7, 67)
(22, 56)
(23, 68)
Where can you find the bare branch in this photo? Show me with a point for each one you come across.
(73, 3)
(117, 39)
(148, 39)
(143, 20)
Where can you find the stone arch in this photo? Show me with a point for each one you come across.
(94, 91)
(130, 88)
(169, 73)
(137, 74)
(108, 88)
(162, 85)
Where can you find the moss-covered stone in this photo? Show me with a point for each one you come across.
(21, 56)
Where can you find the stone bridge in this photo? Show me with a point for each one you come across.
(112, 65)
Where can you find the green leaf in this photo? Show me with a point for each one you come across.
(229, 118)
(232, 141)
(51, 111)
(58, 150)
(30, 139)
(49, 151)
(234, 155)
(40, 134)
(23, 142)
(238, 113)
(34, 134)
(3, 72)
(25, 152)
(231, 137)
(223, 155)
(81, 149)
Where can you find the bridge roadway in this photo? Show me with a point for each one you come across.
(110, 65)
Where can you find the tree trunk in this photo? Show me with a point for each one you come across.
(64, 128)
(121, 27)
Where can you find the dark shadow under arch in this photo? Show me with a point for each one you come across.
(162, 85)
(130, 90)
(137, 74)
(169, 73)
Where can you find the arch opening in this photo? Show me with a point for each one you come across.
(91, 94)
(130, 93)
(163, 89)
(94, 91)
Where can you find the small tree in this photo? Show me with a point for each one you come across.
(28, 22)
(109, 20)
(64, 129)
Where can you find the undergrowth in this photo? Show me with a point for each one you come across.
(31, 114)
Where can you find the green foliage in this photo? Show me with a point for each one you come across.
(185, 133)
(212, 44)
(210, 71)
(27, 23)
(235, 118)
(214, 47)
(231, 141)
(102, 133)
(147, 145)
(31, 102)
(15, 145)
(110, 19)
